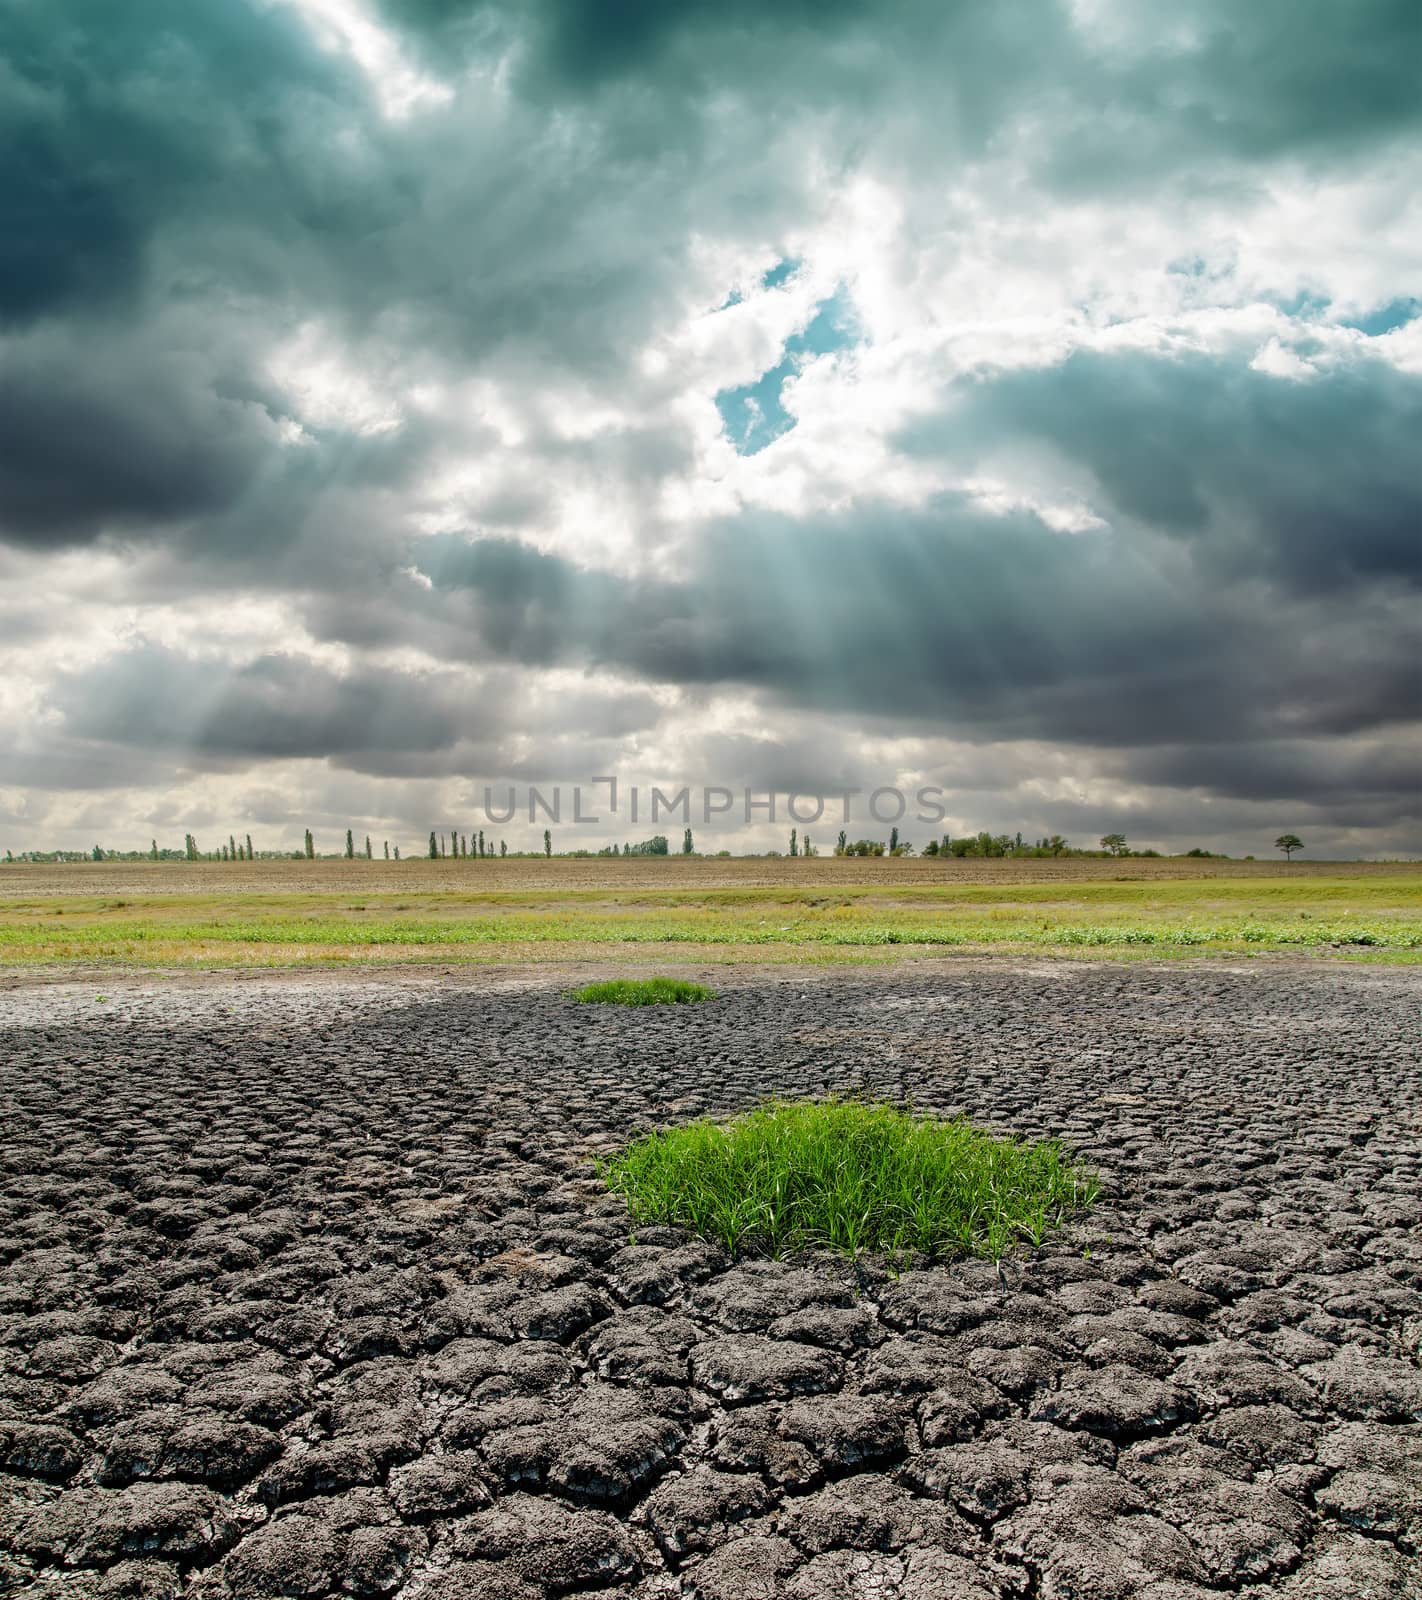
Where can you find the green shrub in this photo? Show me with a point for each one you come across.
(850, 1176)
(643, 992)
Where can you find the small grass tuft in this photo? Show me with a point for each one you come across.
(643, 992)
(794, 1175)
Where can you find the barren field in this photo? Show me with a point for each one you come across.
(310, 1288)
(280, 914)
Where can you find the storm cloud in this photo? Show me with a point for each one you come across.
(1310, 482)
(414, 394)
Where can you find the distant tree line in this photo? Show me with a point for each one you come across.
(1015, 846)
(463, 846)
(476, 846)
(657, 845)
(234, 849)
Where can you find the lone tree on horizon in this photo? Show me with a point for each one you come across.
(310, 846)
(1288, 843)
(547, 842)
(350, 845)
(1114, 842)
(434, 847)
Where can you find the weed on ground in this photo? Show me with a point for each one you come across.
(796, 1175)
(643, 992)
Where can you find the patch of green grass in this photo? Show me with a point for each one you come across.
(643, 992)
(1347, 915)
(851, 1176)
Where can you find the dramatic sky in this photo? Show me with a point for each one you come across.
(399, 396)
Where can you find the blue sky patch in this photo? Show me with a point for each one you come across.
(1305, 306)
(753, 414)
(781, 272)
(1385, 319)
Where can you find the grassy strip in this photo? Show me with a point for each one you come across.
(643, 992)
(1352, 917)
(179, 957)
(78, 939)
(1272, 895)
(852, 1177)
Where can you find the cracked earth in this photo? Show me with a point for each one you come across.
(310, 1289)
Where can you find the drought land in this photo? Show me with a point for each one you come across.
(426, 1276)
(310, 1286)
(711, 911)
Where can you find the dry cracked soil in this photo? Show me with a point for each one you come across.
(311, 1289)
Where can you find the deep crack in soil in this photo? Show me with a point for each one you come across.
(309, 1289)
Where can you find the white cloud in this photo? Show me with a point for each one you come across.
(347, 26)
(1278, 362)
(327, 388)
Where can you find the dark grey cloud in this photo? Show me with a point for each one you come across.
(957, 619)
(106, 441)
(168, 177)
(1280, 76)
(1313, 483)
(611, 37)
(148, 710)
(278, 706)
(577, 45)
(119, 120)
(1131, 93)
(1340, 775)
(69, 240)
